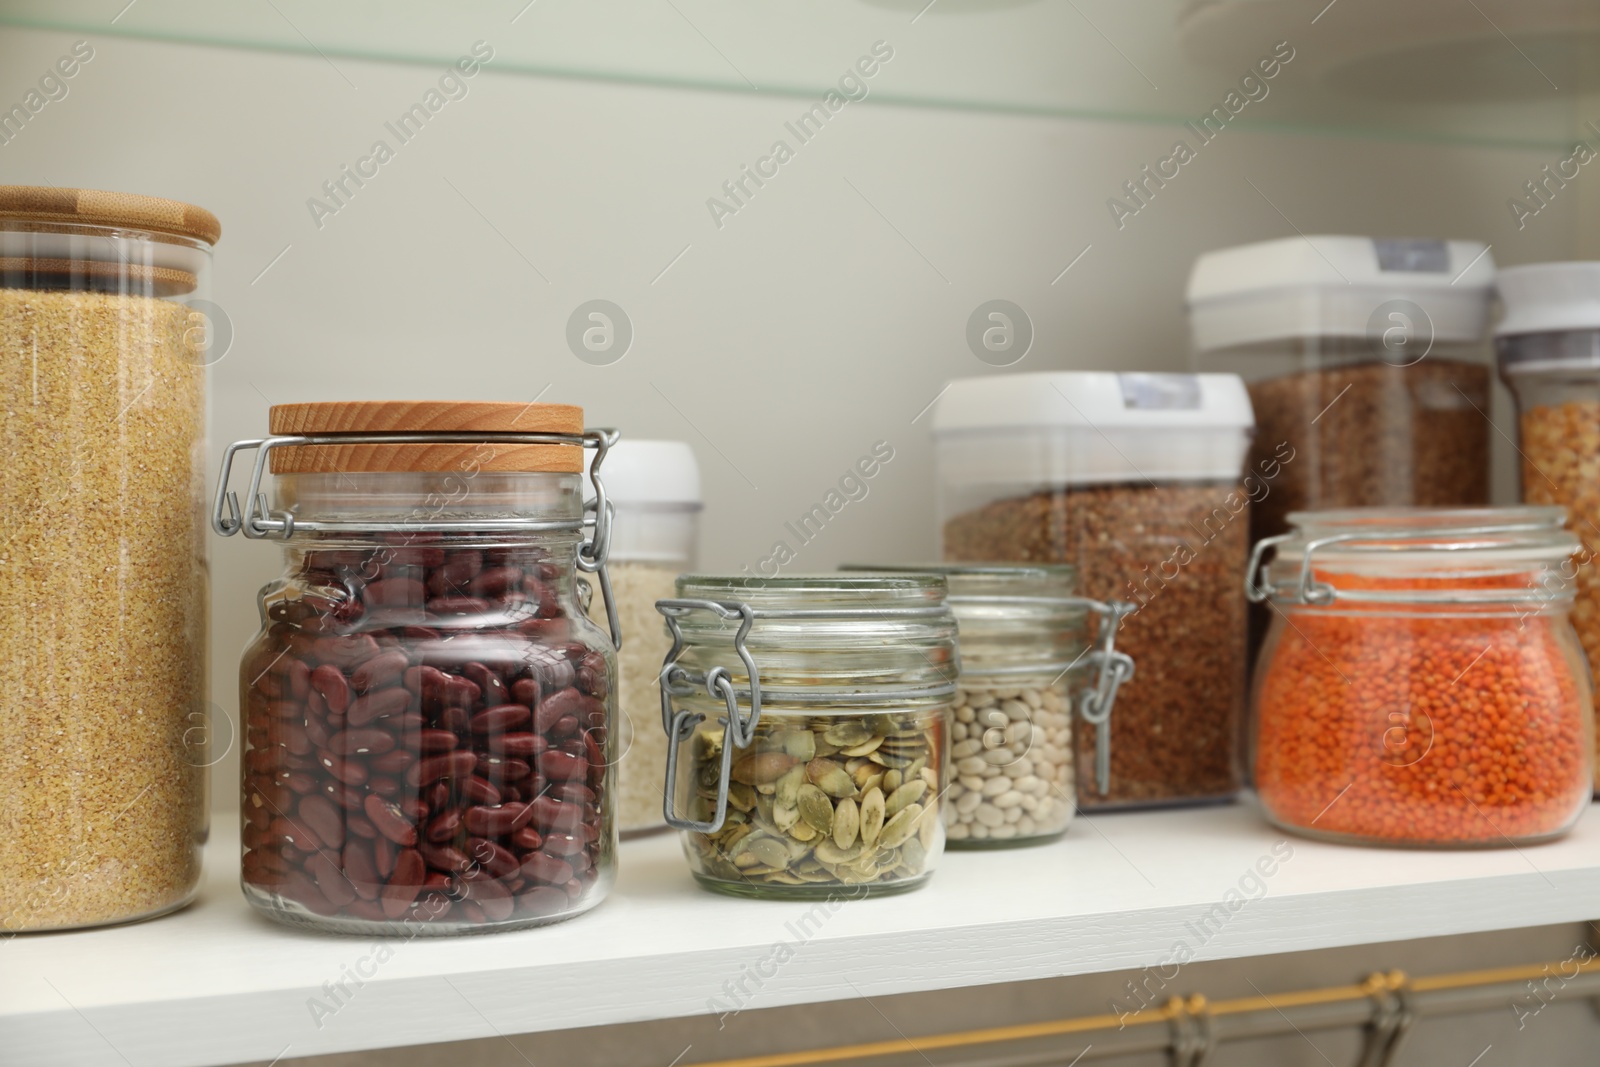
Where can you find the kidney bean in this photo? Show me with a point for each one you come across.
(356, 860)
(452, 576)
(546, 869)
(562, 766)
(496, 860)
(461, 692)
(480, 790)
(499, 769)
(444, 826)
(379, 671)
(528, 839)
(404, 884)
(383, 786)
(597, 759)
(385, 854)
(565, 727)
(595, 683)
(329, 683)
(430, 769)
(445, 858)
(345, 651)
(439, 880)
(390, 821)
(347, 771)
(575, 792)
(436, 740)
(501, 719)
(377, 704)
(348, 797)
(525, 691)
(562, 844)
(552, 815)
(456, 720)
(316, 732)
(492, 898)
(360, 826)
(316, 706)
(494, 581)
(299, 887)
(395, 593)
(393, 762)
(330, 880)
(300, 782)
(323, 818)
(286, 709)
(286, 831)
(438, 796)
(518, 745)
(498, 821)
(563, 703)
(357, 740)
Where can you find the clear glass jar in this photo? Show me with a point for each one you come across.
(427, 709)
(815, 712)
(655, 487)
(1549, 349)
(104, 726)
(1422, 683)
(1147, 502)
(1366, 364)
(1025, 665)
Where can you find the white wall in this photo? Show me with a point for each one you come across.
(782, 345)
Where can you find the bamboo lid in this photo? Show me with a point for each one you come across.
(488, 418)
(92, 207)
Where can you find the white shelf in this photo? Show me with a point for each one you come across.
(214, 984)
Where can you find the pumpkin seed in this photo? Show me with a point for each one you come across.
(785, 817)
(741, 796)
(902, 826)
(847, 733)
(831, 778)
(872, 811)
(816, 808)
(761, 768)
(768, 851)
(801, 744)
(869, 745)
(787, 790)
(891, 781)
(907, 793)
(802, 830)
(828, 852)
(846, 823)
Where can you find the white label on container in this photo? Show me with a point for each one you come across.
(1413, 255)
(1160, 391)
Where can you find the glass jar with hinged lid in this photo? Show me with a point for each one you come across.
(815, 711)
(1026, 658)
(427, 710)
(1422, 683)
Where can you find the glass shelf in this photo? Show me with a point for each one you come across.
(1509, 73)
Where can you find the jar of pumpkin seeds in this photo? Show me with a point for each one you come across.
(808, 724)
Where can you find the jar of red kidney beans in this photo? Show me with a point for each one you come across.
(427, 708)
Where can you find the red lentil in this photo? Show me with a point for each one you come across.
(1416, 727)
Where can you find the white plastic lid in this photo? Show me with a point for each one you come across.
(1331, 286)
(1549, 298)
(1079, 427)
(648, 473)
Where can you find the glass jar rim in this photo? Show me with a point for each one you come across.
(1453, 550)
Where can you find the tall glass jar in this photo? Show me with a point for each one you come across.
(1549, 348)
(815, 711)
(427, 709)
(1026, 663)
(105, 334)
(655, 486)
(1422, 683)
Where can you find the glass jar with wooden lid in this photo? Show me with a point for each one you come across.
(428, 708)
(105, 333)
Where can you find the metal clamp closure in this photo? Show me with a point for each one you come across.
(738, 729)
(1392, 1016)
(1115, 668)
(227, 518)
(1306, 588)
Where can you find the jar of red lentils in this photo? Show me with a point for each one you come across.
(1421, 683)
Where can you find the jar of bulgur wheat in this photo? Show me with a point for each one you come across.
(104, 721)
